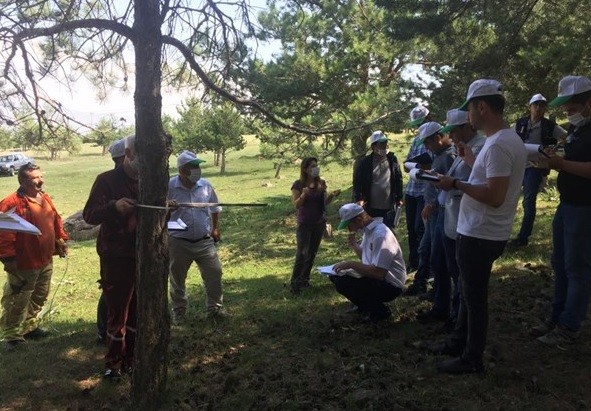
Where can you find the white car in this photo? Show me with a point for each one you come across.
(10, 163)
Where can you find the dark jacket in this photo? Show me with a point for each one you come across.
(547, 132)
(576, 190)
(363, 174)
(117, 233)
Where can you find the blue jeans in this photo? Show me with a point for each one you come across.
(424, 269)
(445, 269)
(452, 266)
(531, 187)
(414, 226)
(571, 260)
(475, 258)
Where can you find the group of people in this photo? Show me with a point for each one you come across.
(459, 222)
(112, 204)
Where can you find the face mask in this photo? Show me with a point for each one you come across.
(195, 175)
(578, 119)
(315, 172)
(383, 152)
(135, 163)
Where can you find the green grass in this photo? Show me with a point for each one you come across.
(284, 352)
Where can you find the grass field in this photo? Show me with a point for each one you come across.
(291, 353)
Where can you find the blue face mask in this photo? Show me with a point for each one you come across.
(315, 172)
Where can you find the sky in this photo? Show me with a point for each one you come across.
(83, 103)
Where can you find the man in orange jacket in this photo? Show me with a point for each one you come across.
(28, 259)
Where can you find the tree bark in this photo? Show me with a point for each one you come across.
(223, 166)
(153, 149)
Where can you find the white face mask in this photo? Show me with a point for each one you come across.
(315, 172)
(578, 119)
(195, 175)
(135, 163)
(383, 152)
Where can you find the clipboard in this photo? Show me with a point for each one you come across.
(178, 225)
(424, 158)
(10, 221)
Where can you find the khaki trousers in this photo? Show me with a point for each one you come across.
(182, 254)
(25, 293)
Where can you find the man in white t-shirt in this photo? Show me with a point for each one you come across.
(381, 273)
(486, 216)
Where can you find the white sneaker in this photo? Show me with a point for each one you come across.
(543, 328)
(559, 336)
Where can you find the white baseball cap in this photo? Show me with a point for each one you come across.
(117, 148)
(347, 213)
(570, 86)
(455, 117)
(377, 137)
(482, 88)
(188, 157)
(427, 130)
(537, 97)
(417, 115)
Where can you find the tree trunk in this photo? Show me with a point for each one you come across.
(278, 169)
(153, 148)
(223, 166)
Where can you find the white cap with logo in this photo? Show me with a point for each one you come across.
(537, 97)
(482, 88)
(570, 86)
(455, 117)
(188, 157)
(427, 130)
(117, 148)
(377, 137)
(417, 115)
(347, 213)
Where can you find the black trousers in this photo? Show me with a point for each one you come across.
(366, 293)
(475, 258)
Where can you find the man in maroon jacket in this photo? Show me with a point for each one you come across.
(111, 204)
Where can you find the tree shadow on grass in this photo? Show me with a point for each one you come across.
(279, 351)
(305, 352)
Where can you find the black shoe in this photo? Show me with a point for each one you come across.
(355, 310)
(415, 289)
(101, 339)
(429, 317)
(445, 348)
(460, 365)
(518, 242)
(427, 296)
(37, 334)
(13, 345)
(448, 326)
(376, 317)
(112, 374)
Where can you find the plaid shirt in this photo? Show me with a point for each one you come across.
(415, 188)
